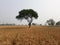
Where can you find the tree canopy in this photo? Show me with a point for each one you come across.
(51, 22)
(25, 13)
(58, 23)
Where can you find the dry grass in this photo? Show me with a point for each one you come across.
(36, 35)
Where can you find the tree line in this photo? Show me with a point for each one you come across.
(51, 22)
(30, 15)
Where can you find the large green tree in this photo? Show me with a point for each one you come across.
(28, 14)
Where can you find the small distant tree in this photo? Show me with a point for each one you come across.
(58, 23)
(33, 24)
(50, 22)
(40, 24)
(27, 14)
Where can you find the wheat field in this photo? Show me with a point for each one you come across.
(36, 35)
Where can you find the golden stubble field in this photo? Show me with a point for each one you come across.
(36, 35)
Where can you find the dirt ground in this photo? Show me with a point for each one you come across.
(36, 35)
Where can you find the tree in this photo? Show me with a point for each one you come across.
(50, 22)
(33, 23)
(40, 24)
(27, 14)
(58, 23)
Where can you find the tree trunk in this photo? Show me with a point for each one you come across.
(30, 21)
(29, 25)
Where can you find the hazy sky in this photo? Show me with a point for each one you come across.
(46, 9)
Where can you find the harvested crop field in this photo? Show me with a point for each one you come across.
(36, 35)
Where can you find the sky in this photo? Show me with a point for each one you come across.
(46, 9)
